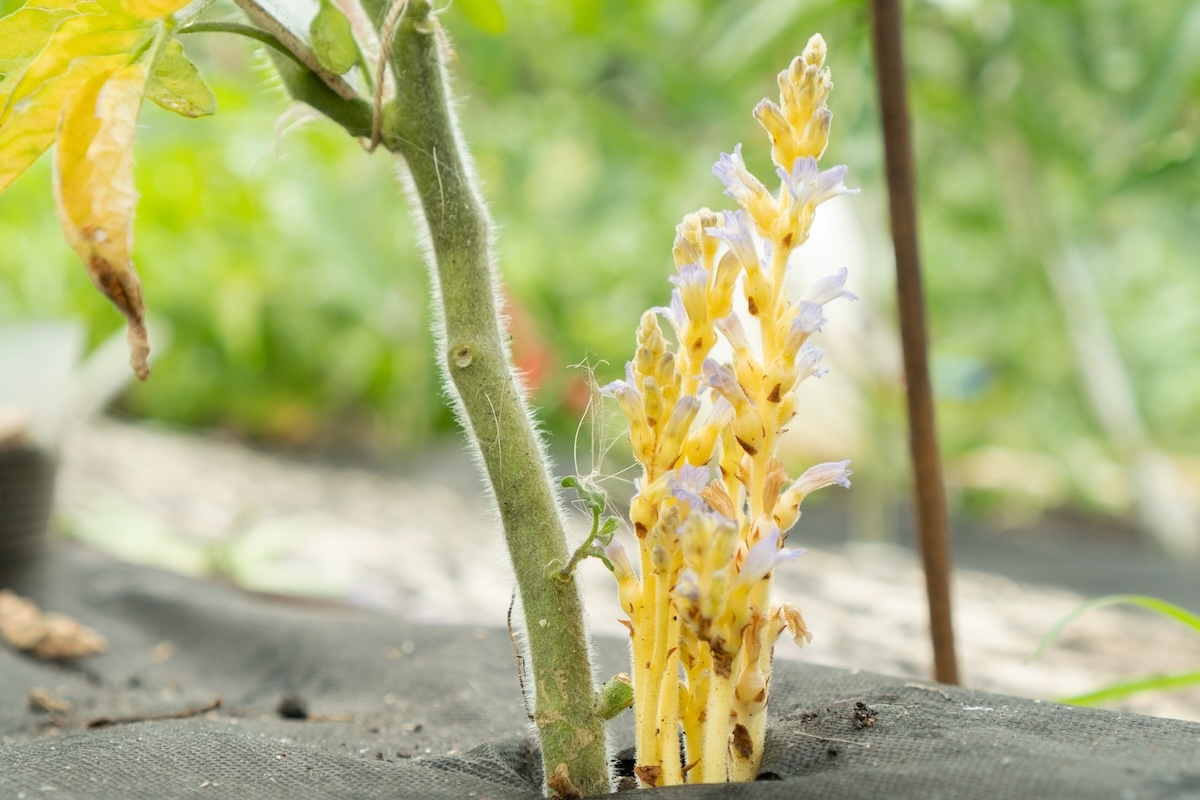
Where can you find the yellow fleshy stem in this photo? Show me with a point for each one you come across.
(668, 712)
(645, 687)
(693, 720)
(712, 766)
(747, 769)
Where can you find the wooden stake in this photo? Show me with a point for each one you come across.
(932, 524)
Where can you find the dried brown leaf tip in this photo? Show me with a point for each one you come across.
(560, 785)
(46, 635)
(649, 775)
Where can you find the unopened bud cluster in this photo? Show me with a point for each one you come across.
(714, 502)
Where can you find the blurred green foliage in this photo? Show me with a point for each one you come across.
(289, 273)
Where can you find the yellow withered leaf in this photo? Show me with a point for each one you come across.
(94, 192)
(80, 47)
(176, 85)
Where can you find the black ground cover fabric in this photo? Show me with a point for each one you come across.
(398, 710)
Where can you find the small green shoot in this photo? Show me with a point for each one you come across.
(1124, 689)
(596, 500)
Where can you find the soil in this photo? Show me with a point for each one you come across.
(421, 543)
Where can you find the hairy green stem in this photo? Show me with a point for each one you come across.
(240, 29)
(419, 125)
(307, 87)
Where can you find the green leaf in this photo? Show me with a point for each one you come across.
(176, 84)
(1119, 691)
(1152, 603)
(23, 35)
(152, 9)
(487, 15)
(333, 39)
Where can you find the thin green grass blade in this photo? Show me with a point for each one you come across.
(1119, 691)
(1145, 601)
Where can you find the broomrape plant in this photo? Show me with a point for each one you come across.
(714, 503)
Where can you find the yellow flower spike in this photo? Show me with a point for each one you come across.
(651, 344)
(703, 647)
(799, 126)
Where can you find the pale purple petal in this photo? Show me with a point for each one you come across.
(721, 379)
(620, 390)
(831, 185)
(740, 184)
(810, 317)
(808, 185)
(808, 365)
(830, 288)
(687, 483)
(621, 567)
(731, 327)
(765, 556)
(673, 313)
(722, 412)
(822, 475)
(736, 232)
(804, 174)
(625, 392)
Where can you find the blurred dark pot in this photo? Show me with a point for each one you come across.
(26, 500)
